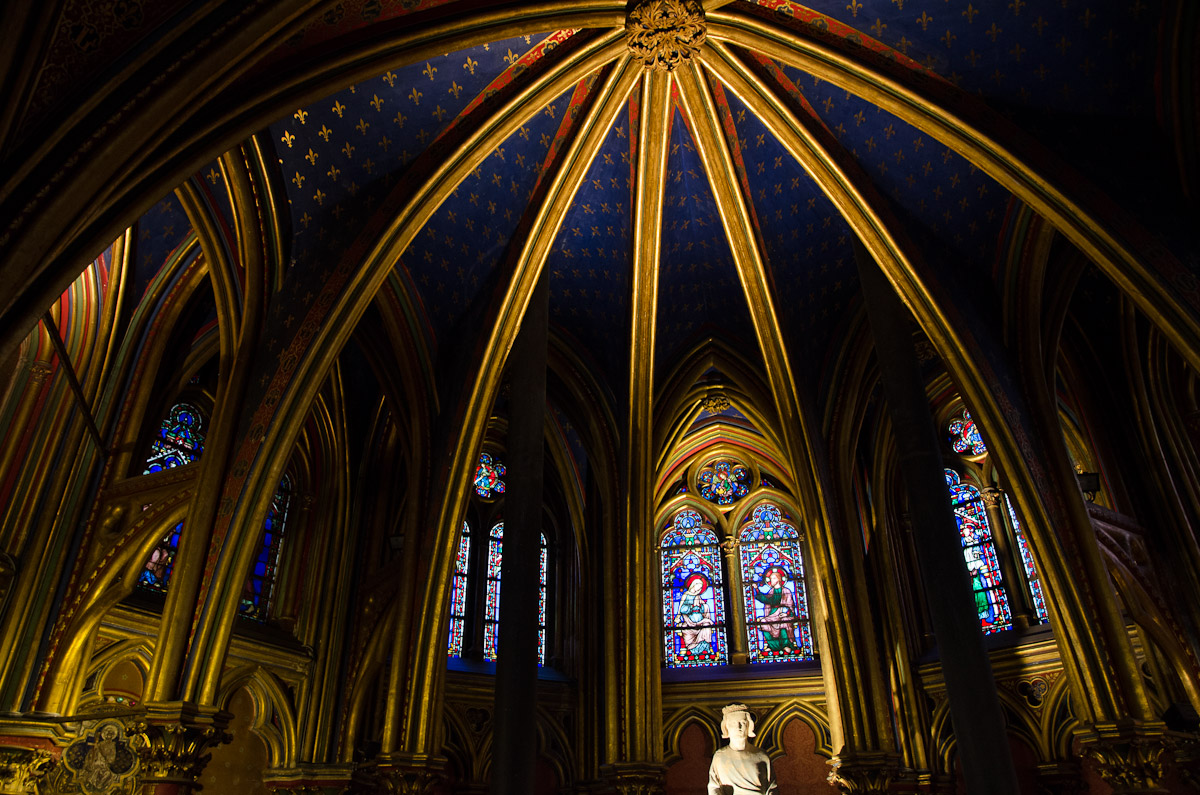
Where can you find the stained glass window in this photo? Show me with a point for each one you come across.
(776, 605)
(458, 591)
(542, 605)
(693, 606)
(980, 554)
(1031, 575)
(724, 482)
(256, 595)
(179, 441)
(487, 477)
(491, 610)
(964, 436)
(157, 571)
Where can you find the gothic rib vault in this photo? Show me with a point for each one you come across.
(382, 190)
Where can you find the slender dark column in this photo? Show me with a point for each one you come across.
(974, 705)
(514, 745)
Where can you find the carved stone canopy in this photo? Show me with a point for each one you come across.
(662, 34)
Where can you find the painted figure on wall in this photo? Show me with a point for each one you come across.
(101, 761)
(778, 624)
(697, 635)
(740, 768)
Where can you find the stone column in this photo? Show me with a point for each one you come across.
(514, 747)
(974, 703)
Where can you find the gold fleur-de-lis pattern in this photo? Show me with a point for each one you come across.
(698, 284)
(1065, 55)
(451, 259)
(342, 154)
(589, 263)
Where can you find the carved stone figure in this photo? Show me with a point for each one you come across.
(739, 768)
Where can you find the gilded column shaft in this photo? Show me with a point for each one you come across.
(641, 685)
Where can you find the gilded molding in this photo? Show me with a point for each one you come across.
(662, 34)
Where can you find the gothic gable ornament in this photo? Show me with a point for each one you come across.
(662, 34)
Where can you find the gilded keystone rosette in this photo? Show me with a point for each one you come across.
(662, 34)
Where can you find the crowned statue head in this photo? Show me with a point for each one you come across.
(737, 724)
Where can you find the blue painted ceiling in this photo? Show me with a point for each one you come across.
(1031, 60)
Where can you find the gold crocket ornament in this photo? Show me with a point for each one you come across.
(662, 34)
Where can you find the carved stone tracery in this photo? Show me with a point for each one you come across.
(663, 34)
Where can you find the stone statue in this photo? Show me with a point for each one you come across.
(739, 768)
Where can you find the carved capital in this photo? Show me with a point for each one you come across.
(24, 769)
(662, 34)
(992, 498)
(635, 778)
(399, 774)
(1128, 758)
(176, 740)
(867, 773)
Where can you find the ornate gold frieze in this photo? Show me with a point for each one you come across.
(662, 34)
(22, 770)
(1129, 760)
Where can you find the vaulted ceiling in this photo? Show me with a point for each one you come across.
(1073, 75)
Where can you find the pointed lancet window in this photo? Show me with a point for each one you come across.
(491, 617)
(256, 596)
(776, 604)
(980, 553)
(1031, 575)
(458, 591)
(693, 603)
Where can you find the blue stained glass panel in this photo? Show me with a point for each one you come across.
(693, 605)
(487, 477)
(458, 591)
(256, 596)
(1031, 575)
(179, 441)
(964, 436)
(777, 619)
(980, 554)
(491, 608)
(724, 482)
(491, 619)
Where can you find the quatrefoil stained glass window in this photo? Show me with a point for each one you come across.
(724, 482)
